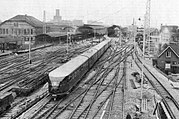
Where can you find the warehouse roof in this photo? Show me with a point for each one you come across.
(94, 26)
(24, 18)
(55, 34)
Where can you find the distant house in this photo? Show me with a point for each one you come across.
(168, 58)
(168, 33)
(23, 26)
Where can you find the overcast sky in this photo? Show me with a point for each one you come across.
(119, 12)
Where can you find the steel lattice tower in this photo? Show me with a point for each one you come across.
(146, 42)
(147, 25)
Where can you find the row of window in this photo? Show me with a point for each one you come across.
(17, 31)
(168, 55)
(29, 38)
(3, 31)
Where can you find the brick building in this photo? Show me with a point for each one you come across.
(23, 26)
(168, 59)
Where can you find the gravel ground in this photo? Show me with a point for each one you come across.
(132, 96)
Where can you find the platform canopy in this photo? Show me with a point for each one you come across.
(55, 34)
(10, 39)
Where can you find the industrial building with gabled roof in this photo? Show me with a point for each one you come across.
(23, 26)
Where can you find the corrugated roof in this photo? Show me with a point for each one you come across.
(56, 34)
(24, 18)
(94, 26)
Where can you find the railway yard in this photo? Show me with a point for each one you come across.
(111, 89)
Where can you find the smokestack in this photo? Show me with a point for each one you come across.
(57, 12)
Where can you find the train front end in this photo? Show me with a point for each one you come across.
(56, 88)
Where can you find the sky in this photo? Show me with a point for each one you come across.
(120, 12)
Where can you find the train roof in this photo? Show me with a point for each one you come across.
(67, 68)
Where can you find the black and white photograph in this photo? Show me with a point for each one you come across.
(89, 59)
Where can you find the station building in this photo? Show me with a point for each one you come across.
(22, 26)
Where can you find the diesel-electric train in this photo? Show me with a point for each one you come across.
(64, 78)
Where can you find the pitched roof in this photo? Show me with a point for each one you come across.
(29, 19)
(174, 47)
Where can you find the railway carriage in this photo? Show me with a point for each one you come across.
(5, 101)
(64, 78)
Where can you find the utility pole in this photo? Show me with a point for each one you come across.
(133, 33)
(44, 24)
(30, 62)
(67, 41)
(120, 38)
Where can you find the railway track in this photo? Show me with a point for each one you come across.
(58, 106)
(167, 98)
(28, 76)
(50, 110)
(63, 106)
(27, 71)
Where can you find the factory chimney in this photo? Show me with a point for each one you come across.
(57, 12)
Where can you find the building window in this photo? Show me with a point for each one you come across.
(174, 62)
(16, 31)
(6, 31)
(12, 31)
(168, 54)
(28, 31)
(16, 24)
(31, 31)
(0, 31)
(19, 31)
(24, 31)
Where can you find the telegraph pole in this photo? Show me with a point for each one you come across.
(30, 62)
(133, 24)
(44, 24)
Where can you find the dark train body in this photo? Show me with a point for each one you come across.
(65, 77)
(5, 101)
